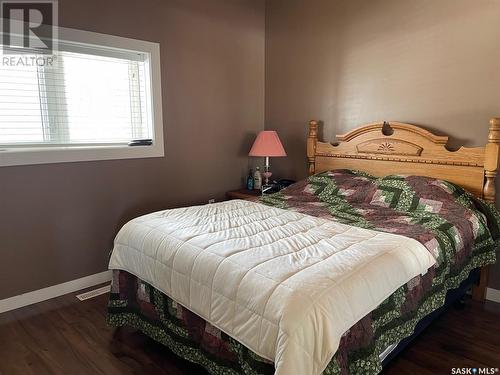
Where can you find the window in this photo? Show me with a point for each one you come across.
(102, 93)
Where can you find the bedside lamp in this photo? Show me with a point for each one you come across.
(267, 144)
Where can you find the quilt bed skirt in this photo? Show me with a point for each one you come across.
(137, 304)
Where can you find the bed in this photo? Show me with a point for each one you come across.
(321, 277)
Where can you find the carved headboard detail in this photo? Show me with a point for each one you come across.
(382, 148)
(385, 147)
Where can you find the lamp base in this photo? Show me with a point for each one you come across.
(266, 175)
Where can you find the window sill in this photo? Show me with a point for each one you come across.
(30, 156)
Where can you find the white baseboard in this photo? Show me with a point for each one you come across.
(493, 295)
(44, 294)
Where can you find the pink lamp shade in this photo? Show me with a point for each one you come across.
(267, 143)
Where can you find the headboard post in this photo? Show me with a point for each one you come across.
(312, 139)
(491, 160)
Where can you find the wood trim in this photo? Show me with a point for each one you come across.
(382, 148)
(394, 125)
(491, 160)
(489, 193)
(479, 290)
(312, 139)
(399, 159)
(243, 194)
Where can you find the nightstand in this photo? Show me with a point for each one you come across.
(243, 194)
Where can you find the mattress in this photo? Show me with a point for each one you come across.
(284, 284)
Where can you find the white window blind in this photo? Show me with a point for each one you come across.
(92, 96)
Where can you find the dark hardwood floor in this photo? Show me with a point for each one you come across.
(66, 336)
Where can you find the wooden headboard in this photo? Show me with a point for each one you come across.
(384, 148)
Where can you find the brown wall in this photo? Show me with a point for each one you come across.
(58, 221)
(433, 63)
(348, 62)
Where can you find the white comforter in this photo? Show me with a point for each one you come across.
(284, 284)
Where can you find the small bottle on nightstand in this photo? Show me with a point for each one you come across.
(250, 180)
(257, 179)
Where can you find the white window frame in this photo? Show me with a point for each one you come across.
(62, 154)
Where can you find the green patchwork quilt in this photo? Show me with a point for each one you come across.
(462, 233)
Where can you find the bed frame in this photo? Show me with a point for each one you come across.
(384, 148)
